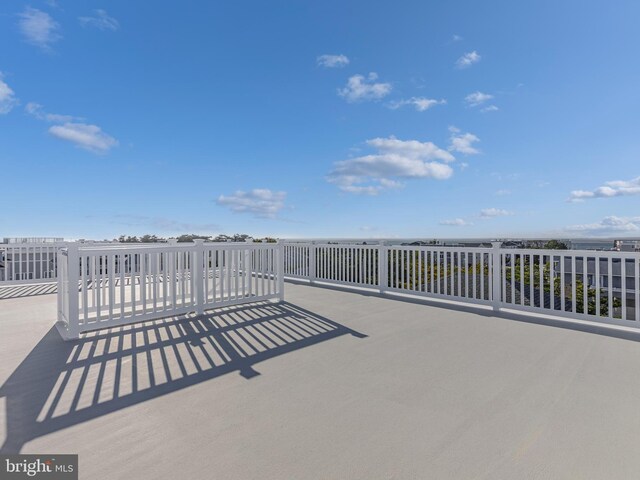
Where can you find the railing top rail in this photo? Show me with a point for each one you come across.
(351, 245)
(441, 248)
(470, 248)
(571, 253)
(398, 247)
(16, 246)
(171, 247)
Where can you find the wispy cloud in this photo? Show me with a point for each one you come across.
(332, 61)
(420, 103)
(39, 28)
(468, 59)
(463, 142)
(163, 224)
(477, 98)
(614, 188)
(359, 88)
(456, 38)
(456, 222)
(37, 110)
(485, 214)
(8, 98)
(608, 226)
(259, 202)
(502, 192)
(82, 135)
(393, 161)
(506, 177)
(74, 129)
(494, 212)
(101, 20)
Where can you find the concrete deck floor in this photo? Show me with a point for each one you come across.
(329, 385)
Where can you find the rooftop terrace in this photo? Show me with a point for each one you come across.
(328, 384)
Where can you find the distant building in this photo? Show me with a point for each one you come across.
(627, 245)
(32, 239)
(591, 244)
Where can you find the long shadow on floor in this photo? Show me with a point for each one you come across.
(18, 291)
(566, 324)
(60, 384)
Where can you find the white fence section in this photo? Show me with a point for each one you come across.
(580, 284)
(22, 263)
(37, 262)
(436, 271)
(106, 286)
(590, 285)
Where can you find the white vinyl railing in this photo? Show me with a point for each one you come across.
(22, 263)
(37, 262)
(105, 286)
(581, 284)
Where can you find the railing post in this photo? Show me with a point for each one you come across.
(383, 264)
(312, 262)
(73, 275)
(246, 266)
(496, 290)
(280, 269)
(198, 275)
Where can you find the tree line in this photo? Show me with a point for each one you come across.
(238, 237)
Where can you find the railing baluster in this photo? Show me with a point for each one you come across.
(610, 286)
(585, 285)
(563, 281)
(636, 284)
(552, 300)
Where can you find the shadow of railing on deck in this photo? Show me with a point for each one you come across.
(17, 291)
(60, 384)
(632, 334)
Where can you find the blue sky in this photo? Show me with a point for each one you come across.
(320, 119)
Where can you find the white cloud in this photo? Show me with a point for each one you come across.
(608, 225)
(394, 160)
(477, 98)
(502, 192)
(455, 222)
(101, 20)
(39, 28)
(8, 99)
(35, 109)
(462, 142)
(164, 224)
(89, 137)
(332, 61)
(468, 59)
(502, 177)
(420, 103)
(456, 38)
(615, 188)
(359, 88)
(494, 212)
(485, 214)
(260, 202)
(74, 130)
(489, 108)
